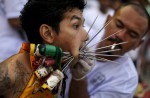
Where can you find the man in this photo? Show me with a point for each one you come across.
(114, 80)
(56, 22)
(10, 28)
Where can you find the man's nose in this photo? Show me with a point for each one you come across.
(121, 35)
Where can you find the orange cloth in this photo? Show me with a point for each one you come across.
(33, 88)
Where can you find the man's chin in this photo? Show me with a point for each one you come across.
(110, 56)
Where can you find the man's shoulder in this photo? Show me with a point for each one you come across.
(20, 57)
(18, 71)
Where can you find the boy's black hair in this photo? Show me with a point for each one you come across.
(50, 12)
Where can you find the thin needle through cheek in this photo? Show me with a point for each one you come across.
(95, 35)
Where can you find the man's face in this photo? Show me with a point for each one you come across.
(72, 35)
(132, 27)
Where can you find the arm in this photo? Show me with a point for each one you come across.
(15, 23)
(78, 89)
(5, 80)
(14, 76)
(78, 86)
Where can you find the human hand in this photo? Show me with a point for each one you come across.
(81, 68)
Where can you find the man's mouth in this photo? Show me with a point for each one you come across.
(116, 46)
(115, 43)
(113, 46)
(109, 53)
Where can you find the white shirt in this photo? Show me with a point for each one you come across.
(110, 80)
(9, 38)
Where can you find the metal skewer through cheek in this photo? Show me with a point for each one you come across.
(102, 51)
(113, 46)
(83, 51)
(91, 26)
(95, 35)
(67, 64)
(107, 46)
(105, 38)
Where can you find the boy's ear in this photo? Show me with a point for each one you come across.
(47, 33)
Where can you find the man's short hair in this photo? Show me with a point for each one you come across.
(50, 12)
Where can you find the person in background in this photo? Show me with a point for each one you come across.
(11, 33)
(143, 66)
(92, 11)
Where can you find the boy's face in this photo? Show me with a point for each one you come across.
(72, 35)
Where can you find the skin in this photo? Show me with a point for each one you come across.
(16, 71)
(132, 32)
(74, 36)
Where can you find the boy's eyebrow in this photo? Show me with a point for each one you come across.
(76, 17)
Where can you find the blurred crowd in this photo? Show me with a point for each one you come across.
(11, 34)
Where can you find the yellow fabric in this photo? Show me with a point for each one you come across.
(32, 47)
(33, 88)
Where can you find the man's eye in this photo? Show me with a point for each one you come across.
(119, 25)
(75, 26)
(133, 35)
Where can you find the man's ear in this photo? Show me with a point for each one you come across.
(141, 42)
(108, 19)
(47, 33)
